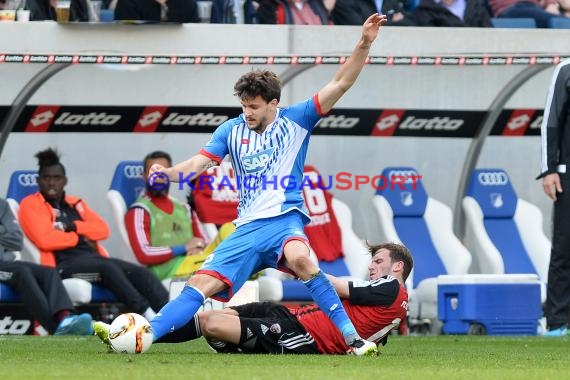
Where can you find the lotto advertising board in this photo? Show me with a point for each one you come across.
(339, 122)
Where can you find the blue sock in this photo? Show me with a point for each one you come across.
(177, 312)
(327, 300)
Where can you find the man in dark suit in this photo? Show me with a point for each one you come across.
(354, 12)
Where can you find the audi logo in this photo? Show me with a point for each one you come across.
(30, 179)
(493, 178)
(133, 171)
(407, 174)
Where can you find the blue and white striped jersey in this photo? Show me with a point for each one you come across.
(268, 166)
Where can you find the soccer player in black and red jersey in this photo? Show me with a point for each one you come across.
(374, 306)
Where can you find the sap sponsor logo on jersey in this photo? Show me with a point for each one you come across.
(200, 119)
(257, 161)
(493, 178)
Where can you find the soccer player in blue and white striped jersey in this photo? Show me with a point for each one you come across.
(267, 146)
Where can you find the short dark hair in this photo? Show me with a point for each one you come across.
(47, 158)
(262, 83)
(398, 252)
(157, 154)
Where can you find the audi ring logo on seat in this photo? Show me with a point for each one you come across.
(493, 178)
(29, 179)
(408, 175)
(133, 171)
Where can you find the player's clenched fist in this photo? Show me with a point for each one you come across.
(157, 168)
(158, 174)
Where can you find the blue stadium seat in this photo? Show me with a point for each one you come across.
(504, 230)
(126, 186)
(559, 23)
(23, 183)
(522, 23)
(408, 215)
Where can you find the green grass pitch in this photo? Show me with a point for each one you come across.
(413, 357)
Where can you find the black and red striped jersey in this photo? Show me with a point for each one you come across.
(371, 306)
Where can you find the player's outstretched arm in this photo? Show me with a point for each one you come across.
(186, 170)
(349, 71)
(340, 285)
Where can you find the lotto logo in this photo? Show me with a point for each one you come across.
(150, 119)
(42, 118)
(338, 121)
(199, 119)
(387, 122)
(92, 118)
(518, 123)
(9, 326)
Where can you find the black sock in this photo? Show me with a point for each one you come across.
(189, 331)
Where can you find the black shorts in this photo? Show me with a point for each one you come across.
(268, 327)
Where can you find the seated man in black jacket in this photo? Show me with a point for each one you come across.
(355, 12)
(41, 10)
(182, 11)
(455, 13)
